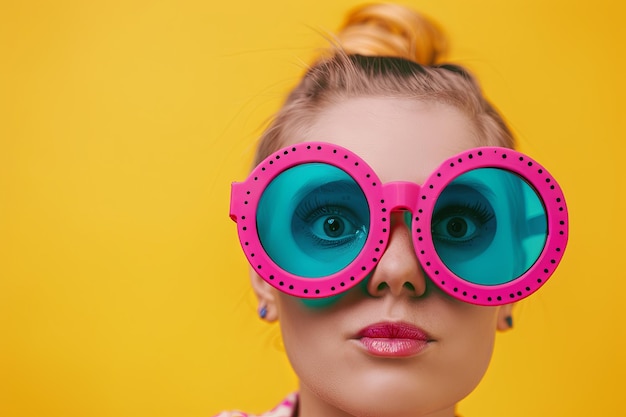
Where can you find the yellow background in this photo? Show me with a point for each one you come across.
(122, 124)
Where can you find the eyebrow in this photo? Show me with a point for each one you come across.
(478, 186)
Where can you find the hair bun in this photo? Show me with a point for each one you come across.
(392, 30)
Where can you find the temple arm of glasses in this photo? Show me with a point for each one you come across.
(235, 201)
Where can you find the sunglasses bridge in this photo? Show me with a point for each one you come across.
(401, 195)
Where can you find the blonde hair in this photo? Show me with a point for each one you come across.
(384, 50)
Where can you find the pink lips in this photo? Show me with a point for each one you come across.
(393, 339)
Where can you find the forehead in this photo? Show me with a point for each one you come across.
(400, 138)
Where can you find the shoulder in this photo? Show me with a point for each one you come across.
(285, 408)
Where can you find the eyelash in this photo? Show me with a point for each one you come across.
(313, 208)
(477, 210)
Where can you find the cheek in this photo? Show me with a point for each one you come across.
(315, 350)
(473, 340)
(306, 334)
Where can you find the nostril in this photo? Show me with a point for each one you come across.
(409, 286)
(382, 286)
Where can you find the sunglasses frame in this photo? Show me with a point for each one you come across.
(383, 199)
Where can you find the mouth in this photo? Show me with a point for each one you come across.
(393, 340)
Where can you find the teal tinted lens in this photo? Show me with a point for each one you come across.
(489, 226)
(313, 220)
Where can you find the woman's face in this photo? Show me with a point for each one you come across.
(341, 351)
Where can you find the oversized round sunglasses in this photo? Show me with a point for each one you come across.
(489, 226)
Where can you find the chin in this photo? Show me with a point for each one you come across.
(389, 394)
(383, 407)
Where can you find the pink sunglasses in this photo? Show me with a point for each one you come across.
(489, 225)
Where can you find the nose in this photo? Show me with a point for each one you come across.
(398, 272)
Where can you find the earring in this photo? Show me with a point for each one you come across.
(263, 312)
(509, 321)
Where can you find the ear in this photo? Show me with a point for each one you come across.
(505, 317)
(266, 296)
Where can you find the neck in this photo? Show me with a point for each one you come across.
(313, 405)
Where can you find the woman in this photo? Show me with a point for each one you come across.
(394, 341)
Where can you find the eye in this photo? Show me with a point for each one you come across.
(460, 224)
(457, 227)
(334, 215)
(332, 225)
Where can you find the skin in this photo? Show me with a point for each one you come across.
(401, 139)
